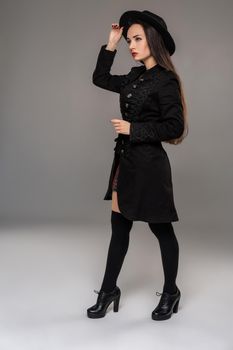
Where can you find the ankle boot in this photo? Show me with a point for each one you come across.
(103, 301)
(167, 305)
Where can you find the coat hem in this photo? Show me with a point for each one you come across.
(144, 219)
(108, 196)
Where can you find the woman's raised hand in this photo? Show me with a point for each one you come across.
(114, 36)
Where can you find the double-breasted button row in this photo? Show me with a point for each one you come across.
(130, 95)
(135, 85)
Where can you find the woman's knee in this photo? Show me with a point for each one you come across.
(162, 229)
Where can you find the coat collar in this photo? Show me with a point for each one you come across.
(144, 73)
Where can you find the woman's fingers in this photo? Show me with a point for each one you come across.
(116, 121)
(115, 33)
(121, 126)
(116, 26)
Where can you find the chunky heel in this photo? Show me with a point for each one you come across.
(103, 301)
(167, 305)
(116, 304)
(175, 309)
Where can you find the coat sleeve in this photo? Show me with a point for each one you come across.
(171, 122)
(102, 77)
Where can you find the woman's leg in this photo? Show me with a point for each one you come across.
(115, 206)
(169, 248)
(118, 247)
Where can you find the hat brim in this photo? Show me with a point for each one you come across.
(129, 17)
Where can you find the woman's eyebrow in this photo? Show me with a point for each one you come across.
(134, 36)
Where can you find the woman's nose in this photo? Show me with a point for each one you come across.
(131, 46)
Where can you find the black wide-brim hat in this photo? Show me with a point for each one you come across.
(129, 17)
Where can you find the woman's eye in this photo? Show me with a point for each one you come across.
(135, 39)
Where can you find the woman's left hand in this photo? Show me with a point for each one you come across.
(121, 126)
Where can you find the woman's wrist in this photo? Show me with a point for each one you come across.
(111, 46)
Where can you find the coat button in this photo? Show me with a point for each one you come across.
(134, 86)
(126, 114)
(126, 105)
(141, 79)
(122, 151)
(129, 95)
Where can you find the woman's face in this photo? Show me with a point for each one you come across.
(137, 42)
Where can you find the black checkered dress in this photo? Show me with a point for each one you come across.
(114, 182)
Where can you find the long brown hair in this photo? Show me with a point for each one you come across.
(162, 57)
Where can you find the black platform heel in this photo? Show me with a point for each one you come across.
(168, 304)
(103, 301)
(175, 308)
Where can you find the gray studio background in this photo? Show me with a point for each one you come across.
(56, 152)
(56, 139)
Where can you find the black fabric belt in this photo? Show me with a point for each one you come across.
(121, 143)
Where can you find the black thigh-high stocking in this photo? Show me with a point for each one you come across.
(169, 248)
(118, 247)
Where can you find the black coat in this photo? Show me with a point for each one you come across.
(150, 100)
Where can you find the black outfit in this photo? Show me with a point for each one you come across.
(118, 248)
(150, 100)
(141, 173)
(119, 244)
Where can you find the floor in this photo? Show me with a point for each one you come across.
(49, 273)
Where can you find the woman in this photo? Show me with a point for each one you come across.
(140, 183)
